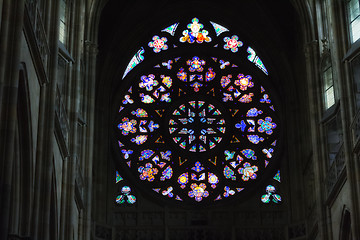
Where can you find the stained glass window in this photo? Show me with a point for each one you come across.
(125, 196)
(271, 191)
(135, 60)
(171, 29)
(218, 28)
(198, 126)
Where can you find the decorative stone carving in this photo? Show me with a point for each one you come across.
(325, 46)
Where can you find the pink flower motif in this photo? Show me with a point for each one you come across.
(158, 44)
(232, 43)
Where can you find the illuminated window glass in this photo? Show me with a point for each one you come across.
(354, 19)
(328, 83)
(201, 127)
(272, 195)
(329, 94)
(125, 195)
(63, 18)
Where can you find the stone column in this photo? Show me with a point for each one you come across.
(10, 45)
(348, 110)
(312, 63)
(75, 80)
(91, 52)
(44, 153)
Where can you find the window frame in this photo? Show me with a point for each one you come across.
(349, 21)
(325, 65)
(63, 17)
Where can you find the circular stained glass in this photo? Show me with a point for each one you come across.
(197, 126)
(198, 129)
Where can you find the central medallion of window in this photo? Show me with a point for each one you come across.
(197, 122)
(197, 126)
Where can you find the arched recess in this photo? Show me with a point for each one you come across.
(95, 11)
(345, 225)
(304, 10)
(22, 182)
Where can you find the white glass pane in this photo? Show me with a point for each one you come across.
(62, 32)
(62, 10)
(354, 9)
(355, 29)
(328, 80)
(329, 97)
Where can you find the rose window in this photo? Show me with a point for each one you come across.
(201, 127)
(197, 126)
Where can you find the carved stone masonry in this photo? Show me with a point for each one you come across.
(310, 48)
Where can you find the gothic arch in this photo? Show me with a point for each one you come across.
(21, 199)
(345, 225)
(304, 11)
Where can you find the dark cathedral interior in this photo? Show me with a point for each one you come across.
(169, 120)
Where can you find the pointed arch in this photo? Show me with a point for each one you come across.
(22, 191)
(345, 225)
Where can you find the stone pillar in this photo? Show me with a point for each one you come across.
(312, 63)
(348, 110)
(75, 79)
(10, 45)
(44, 153)
(91, 52)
